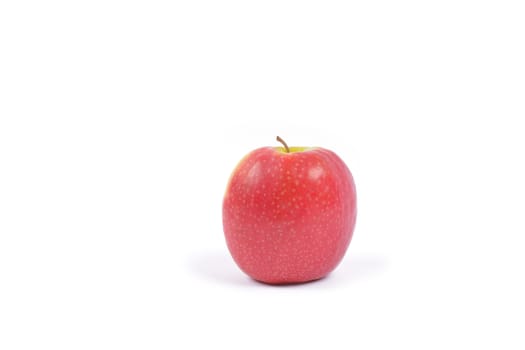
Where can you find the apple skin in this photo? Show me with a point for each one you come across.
(289, 217)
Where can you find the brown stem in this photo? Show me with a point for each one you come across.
(284, 144)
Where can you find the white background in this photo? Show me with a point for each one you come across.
(120, 122)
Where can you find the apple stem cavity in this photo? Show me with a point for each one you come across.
(278, 138)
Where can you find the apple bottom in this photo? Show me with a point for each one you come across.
(288, 255)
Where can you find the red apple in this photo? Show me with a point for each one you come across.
(289, 213)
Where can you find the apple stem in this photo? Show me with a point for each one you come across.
(278, 138)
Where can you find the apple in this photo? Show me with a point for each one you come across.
(289, 213)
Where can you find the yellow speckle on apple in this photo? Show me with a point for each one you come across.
(293, 149)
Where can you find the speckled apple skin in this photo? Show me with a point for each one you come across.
(289, 217)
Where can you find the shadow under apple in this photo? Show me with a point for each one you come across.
(220, 267)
